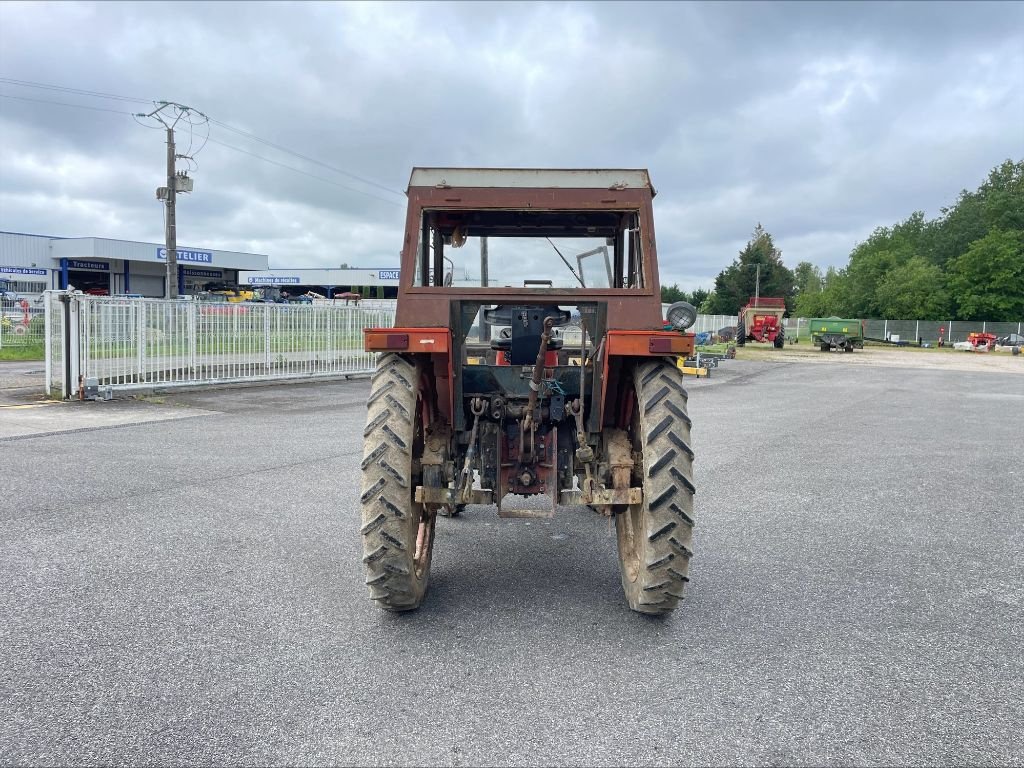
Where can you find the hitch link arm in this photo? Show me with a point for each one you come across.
(477, 406)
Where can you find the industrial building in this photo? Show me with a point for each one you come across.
(379, 283)
(31, 264)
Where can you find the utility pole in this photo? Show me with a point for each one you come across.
(169, 114)
(485, 327)
(757, 285)
(170, 226)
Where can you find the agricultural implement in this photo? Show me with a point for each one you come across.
(761, 320)
(835, 333)
(554, 380)
(982, 342)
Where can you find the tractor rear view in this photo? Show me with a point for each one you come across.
(529, 359)
(761, 320)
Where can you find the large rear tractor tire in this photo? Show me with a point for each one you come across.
(398, 533)
(741, 334)
(655, 537)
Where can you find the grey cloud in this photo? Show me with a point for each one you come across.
(820, 120)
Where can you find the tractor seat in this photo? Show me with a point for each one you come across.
(504, 345)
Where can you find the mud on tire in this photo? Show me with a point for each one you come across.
(655, 537)
(398, 533)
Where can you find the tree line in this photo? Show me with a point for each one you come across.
(966, 264)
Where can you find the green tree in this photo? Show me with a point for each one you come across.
(885, 250)
(915, 289)
(698, 297)
(997, 204)
(988, 280)
(735, 285)
(672, 293)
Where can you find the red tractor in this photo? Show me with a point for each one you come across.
(554, 379)
(761, 320)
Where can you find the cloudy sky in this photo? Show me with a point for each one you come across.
(821, 121)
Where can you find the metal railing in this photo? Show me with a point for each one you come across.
(125, 343)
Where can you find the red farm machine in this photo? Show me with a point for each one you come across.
(529, 361)
(761, 320)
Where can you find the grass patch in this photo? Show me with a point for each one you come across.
(23, 352)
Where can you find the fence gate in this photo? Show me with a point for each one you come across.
(125, 343)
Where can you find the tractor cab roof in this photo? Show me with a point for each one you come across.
(531, 178)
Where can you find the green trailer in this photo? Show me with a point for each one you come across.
(835, 333)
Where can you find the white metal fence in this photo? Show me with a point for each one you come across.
(126, 343)
(21, 323)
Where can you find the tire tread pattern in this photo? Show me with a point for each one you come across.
(390, 518)
(668, 516)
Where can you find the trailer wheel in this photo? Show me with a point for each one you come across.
(780, 340)
(824, 347)
(655, 537)
(741, 334)
(398, 533)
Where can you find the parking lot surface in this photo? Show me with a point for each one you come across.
(182, 585)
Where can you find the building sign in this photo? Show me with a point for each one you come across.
(202, 272)
(261, 279)
(100, 265)
(195, 257)
(388, 274)
(22, 271)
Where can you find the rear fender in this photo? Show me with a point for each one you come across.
(624, 349)
(433, 344)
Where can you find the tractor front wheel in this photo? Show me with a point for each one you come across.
(398, 532)
(655, 537)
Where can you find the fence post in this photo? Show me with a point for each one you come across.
(885, 330)
(193, 325)
(266, 337)
(48, 341)
(917, 331)
(71, 344)
(329, 363)
(140, 341)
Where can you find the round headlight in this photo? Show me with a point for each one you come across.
(682, 315)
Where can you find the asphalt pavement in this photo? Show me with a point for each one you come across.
(182, 585)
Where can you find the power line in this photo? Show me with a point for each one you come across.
(304, 173)
(226, 126)
(305, 157)
(64, 104)
(66, 89)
